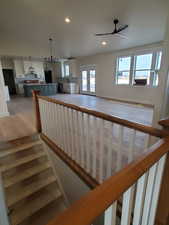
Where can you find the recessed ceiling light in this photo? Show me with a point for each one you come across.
(104, 43)
(67, 20)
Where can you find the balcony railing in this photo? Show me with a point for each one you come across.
(122, 160)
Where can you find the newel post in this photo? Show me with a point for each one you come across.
(162, 215)
(37, 111)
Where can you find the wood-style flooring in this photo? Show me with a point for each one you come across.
(133, 112)
(22, 122)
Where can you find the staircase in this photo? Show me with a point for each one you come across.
(32, 190)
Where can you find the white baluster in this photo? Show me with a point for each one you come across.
(60, 128)
(76, 134)
(101, 149)
(139, 202)
(64, 129)
(110, 215)
(156, 190)
(47, 118)
(44, 116)
(132, 139)
(72, 132)
(110, 150)
(56, 125)
(127, 206)
(67, 139)
(41, 109)
(82, 138)
(94, 150)
(78, 137)
(88, 165)
(53, 136)
(119, 150)
(148, 196)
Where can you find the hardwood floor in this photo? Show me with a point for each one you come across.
(133, 112)
(20, 104)
(21, 122)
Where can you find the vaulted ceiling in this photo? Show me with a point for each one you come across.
(25, 25)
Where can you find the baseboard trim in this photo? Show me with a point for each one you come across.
(127, 101)
(4, 114)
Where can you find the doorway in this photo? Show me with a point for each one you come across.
(9, 80)
(88, 80)
(48, 76)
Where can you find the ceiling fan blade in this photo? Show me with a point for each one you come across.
(122, 28)
(122, 36)
(104, 34)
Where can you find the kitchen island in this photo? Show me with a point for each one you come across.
(45, 89)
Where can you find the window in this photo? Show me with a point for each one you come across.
(142, 69)
(123, 73)
(139, 69)
(84, 80)
(67, 70)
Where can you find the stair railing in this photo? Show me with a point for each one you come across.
(138, 184)
(125, 157)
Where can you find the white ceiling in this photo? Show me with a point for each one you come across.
(25, 25)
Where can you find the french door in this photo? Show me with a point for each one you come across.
(88, 80)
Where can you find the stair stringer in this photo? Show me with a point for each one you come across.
(45, 148)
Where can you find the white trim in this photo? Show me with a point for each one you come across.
(133, 63)
(87, 68)
(3, 114)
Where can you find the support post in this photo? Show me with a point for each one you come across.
(37, 111)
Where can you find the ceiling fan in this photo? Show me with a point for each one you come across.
(116, 30)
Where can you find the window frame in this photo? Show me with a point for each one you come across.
(154, 71)
(87, 68)
(65, 75)
(117, 69)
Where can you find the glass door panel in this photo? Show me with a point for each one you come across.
(88, 80)
(92, 80)
(84, 80)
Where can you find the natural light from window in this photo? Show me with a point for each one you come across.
(139, 70)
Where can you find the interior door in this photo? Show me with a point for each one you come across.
(88, 80)
(9, 81)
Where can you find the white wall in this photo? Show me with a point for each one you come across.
(3, 105)
(19, 68)
(165, 109)
(105, 74)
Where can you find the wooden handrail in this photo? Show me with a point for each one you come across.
(164, 122)
(35, 95)
(89, 180)
(137, 126)
(105, 194)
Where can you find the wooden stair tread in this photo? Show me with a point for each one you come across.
(25, 174)
(33, 206)
(29, 190)
(21, 161)
(19, 148)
